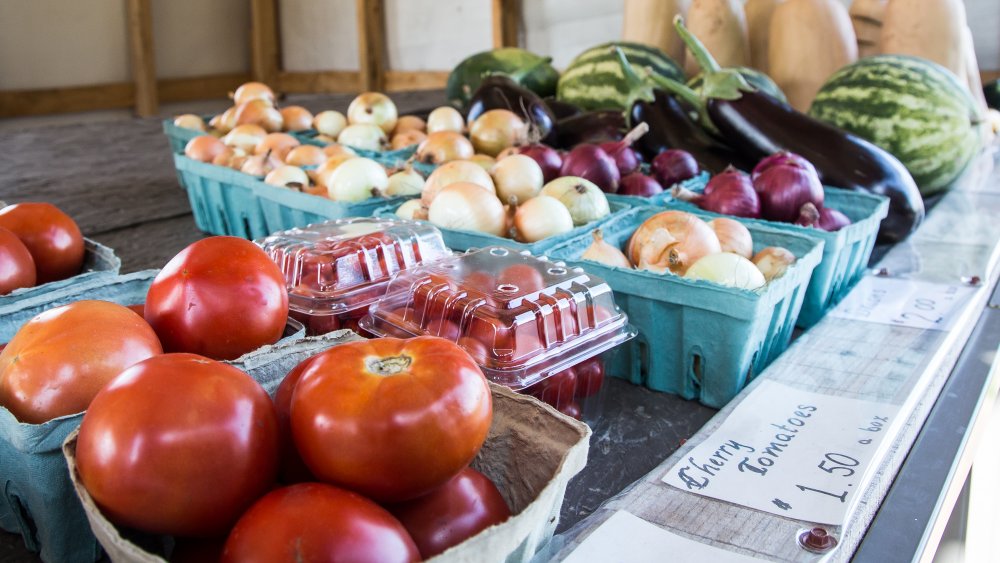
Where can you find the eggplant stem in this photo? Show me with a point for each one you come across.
(678, 89)
(638, 87)
(705, 59)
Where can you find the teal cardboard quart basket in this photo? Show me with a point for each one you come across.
(99, 262)
(698, 339)
(845, 252)
(37, 500)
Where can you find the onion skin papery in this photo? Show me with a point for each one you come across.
(190, 121)
(374, 108)
(728, 269)
(278, 143)
(733, 236)
(600, 251)
(585, 201)
(305, 155)
(454, 172)
(253, 91)
(296, 118)
(364, 136)
(285, 175)
(445, 118)
(204, 148)
(547, 158)
(245, 137)
(444, 146)
(405, 182)
(259, 112)
(468, 207)
(497, 129)
(357, 179)
(517, 176)
(671, 241)
(411, 210)
(541, 217)
(773, 261)
(409, 123)
(329, 123)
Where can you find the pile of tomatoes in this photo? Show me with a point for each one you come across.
(38, 244)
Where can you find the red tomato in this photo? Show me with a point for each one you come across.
(452, 513)
(292, 468)
(364, 411)
(197, 550)
(138, 308)
(17, 267)
(558, 388)
(52, 237)
(317, 522)
(589, 377)
(220, 297)
(178, 444)
(571, 408)
(59, 360)
(524, 276)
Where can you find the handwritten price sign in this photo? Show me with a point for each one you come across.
(910, 303)
(787, 451)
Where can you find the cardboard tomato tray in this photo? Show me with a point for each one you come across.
(99, 262)
(531, 453)
(36, 497)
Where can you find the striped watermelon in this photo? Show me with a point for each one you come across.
(912, 108)
(595, 78)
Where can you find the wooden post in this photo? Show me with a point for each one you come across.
(264, 51)
(140, 39)
(371, 44)
(505, 17)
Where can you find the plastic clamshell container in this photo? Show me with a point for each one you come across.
(845, 252)
(699, 339)
(36, 496)
(525, 319)
(99, 262)
(334, 270)
(228, 202)
(465, 240)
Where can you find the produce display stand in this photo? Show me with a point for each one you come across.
(938, 386)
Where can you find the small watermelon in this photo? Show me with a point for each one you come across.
(756, 78)
(524, 67)
(911, 107)
(596, 80)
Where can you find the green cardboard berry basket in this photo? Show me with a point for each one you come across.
(845, 252)
(37, 500)
(698, 339)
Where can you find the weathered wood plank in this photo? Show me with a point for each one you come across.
(44, 101)
(330, 81)
(371, 44)
(140, 41)
(396, 80)
(265, 58)
(152, 244)
(506, 14)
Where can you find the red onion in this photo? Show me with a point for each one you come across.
(626, 158)
(808, 216)
(547, 158)
(784, 188)
(674, 166)
(832, 220)
(729, 192)
(590, 162)
(638, 184)
(778, 158)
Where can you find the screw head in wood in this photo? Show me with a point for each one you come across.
(816, 540)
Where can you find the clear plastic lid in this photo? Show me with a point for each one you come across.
(522, 318)
(342, 265)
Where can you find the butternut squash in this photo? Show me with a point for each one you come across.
(810, 40)
(722, 27)
(972, 78)
(932, 29)
(758, 14)
(866, 17)
(651, 22)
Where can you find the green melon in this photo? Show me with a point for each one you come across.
(596, 80)
(754, 77)
(911, 107)
(524, 67)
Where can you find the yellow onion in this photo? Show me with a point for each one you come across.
(326, 139)
(335, 149)
(305, 155)
(445, 118)
(412, 209)
(329, 123)
(409, 123)
(773, 261)
(260, 164)
(541, 217)
(671, 241)
(253, 91)
(226, 157)
(204, 148)
(497, 129)
(452, 173)
(288, 177)
(296, 118)
(190, 121)
(444, 146)
(245, 137)
(407, 138)
(517, 176)
(365, 136)
(585, 201)
(607, 254)
(258, 112)
(733, 236)
(357, 179)
(484, 160)
(405, 182)
(374, 108)
(278, 143)
(224, 122)
(329, 165)
(468, 207)
(726, 268)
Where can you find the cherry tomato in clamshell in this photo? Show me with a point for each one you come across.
(475, 348)
(363, 410)
(318, 522)
(178, 444)
(454, 512)
(571, 408)
(52, 237)
(480, 281)
(589, 377)
(17, 267)
(523, 276)
(220, 297)
(557, 389)
(58, 361)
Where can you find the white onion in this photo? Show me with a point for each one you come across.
(541, 217)
(287, 176)
(411, 210)
(585, 201)
(727, 269)
(245, 137)
(452, 173)
(357, 179)
(518, 176)
(484, 160)
(363, 136)
(190, 121)
(375, 108)
(259, 164)
(445, 118)
(468, 207)
(329, 123)
(405, 182)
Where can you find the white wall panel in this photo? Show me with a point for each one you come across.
(319, 35)
(562, 29)
(199, 38)
(436, 34)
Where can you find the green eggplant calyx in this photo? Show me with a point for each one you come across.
(637, 80)
(719, 83)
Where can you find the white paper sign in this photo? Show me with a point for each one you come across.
(911, 303)
(790, 452)
(626, 538)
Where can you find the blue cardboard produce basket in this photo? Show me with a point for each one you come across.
(227, 202)
(845, 252)
(99, 262)
(37, 500)
(698, 339)
(179, 136)
(464, 240)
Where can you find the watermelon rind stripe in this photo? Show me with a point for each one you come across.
(595, 80)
